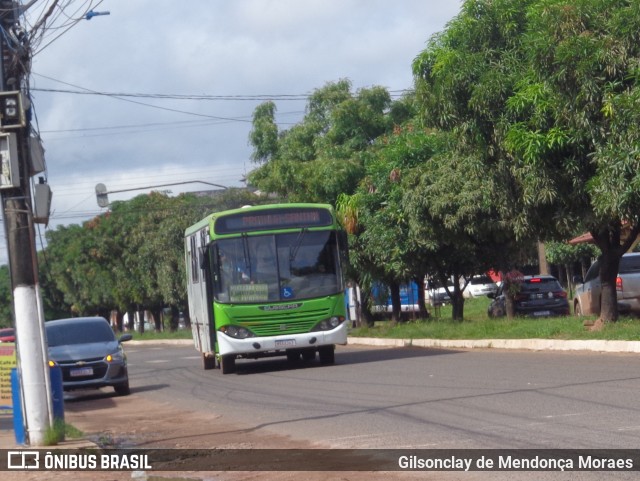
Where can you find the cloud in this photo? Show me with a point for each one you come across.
(213, 47)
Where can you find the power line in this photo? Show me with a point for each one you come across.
(253, 98)
(124, 99)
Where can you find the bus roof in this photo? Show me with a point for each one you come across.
(205, 222)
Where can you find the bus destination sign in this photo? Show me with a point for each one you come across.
(296, 217)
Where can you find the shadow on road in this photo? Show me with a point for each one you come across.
(105, 394)
(354, 355)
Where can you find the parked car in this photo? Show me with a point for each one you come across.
(7, 334)
(539, 296)
(480, 286)
(436, 294)
(87, 351)
(588, 291)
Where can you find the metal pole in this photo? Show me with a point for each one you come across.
(29, 318)
(102, 192)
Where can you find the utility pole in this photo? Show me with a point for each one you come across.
(17, 162)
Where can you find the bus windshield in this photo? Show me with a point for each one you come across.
(276, 267)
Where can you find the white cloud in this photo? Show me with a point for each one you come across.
(214, 47)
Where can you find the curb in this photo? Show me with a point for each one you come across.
(521, 344)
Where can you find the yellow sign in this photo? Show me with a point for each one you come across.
(7, 362)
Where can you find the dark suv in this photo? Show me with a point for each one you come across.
(539, 296)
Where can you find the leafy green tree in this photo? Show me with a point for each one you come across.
(320, 158)
(455, 221)
(544, 92)
(565, 255)
(76, 264)
(323, 157)
(130, 258)
(264, 135)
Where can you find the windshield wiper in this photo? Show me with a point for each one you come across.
(297, 244)
(247, 253)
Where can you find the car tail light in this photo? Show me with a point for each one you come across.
(560, 295)
(535, 280)
(619, 284)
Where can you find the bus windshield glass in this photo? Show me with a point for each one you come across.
(276, 267)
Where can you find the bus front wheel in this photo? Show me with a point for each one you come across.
(327, 354)
(228, 364)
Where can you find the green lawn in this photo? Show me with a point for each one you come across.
(477, 325)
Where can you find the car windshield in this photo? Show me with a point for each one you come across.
(481, 280)
(278, 267)
(540, 284)
(78, 333)
(629, 264)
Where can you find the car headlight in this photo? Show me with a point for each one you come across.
(328, 324)
(237, 332)
(115, 357)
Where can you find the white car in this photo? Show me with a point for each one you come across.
(435, 294)
(480, 286)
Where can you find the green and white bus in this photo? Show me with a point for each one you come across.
(266, 281)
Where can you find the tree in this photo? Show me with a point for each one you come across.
(545, 91)
(129, 258)
(455, 219)
(565, 255)
(264, 135)
(318, 159)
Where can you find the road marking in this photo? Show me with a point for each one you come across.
(553, 416)
(629, 428)
(157, 361)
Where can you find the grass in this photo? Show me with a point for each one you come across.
(59, 432)
(477, 325)
(153, 335)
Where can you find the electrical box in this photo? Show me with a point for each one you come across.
(36, 155)
(12, 111)
(41, 203)
(9, 167)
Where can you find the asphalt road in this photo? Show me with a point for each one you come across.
(412, 397)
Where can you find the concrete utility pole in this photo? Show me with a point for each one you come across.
(17, 151)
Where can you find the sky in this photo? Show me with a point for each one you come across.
(97, 85)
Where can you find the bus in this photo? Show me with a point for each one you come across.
(266, 281)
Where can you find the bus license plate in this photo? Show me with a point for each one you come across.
(81, 371)
(286, 343)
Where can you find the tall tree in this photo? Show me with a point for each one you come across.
(546, 92)
(319, 158)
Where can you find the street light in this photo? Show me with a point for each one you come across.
(102, 195)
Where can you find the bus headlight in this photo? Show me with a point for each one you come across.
(328, 324)
(237, 332)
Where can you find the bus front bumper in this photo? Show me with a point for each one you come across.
(254, 345)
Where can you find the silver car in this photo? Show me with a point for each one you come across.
(588, 291)
(88, 353)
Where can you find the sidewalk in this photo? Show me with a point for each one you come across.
(521, 344)
(8, 439)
